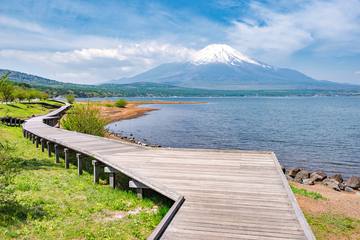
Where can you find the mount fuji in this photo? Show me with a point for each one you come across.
(221, 67)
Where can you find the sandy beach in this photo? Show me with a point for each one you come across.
(133, 109)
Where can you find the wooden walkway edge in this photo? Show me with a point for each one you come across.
(217, 194)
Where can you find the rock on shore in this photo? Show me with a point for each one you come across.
(335, 182)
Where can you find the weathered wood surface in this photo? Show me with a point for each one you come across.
(228, 194)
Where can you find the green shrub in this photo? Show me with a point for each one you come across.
(120, 103)
(70, 98)
(84, 118)
(109, 105)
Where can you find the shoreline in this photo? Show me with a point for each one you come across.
(132, 110)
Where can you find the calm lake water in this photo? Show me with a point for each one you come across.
(311, 132)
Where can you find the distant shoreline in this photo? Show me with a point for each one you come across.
(132, 110)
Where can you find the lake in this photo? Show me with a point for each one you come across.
(310, 132)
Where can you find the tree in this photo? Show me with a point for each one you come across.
(28, 95)
(20, 94)
(70, 98)
(43, 96)
(33, 94)
(6, 89)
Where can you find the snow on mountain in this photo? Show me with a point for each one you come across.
(222, 53)
(221, 67)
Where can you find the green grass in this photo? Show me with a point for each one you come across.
(327, 225)
(26, 110)
(55, 203)
(306, 193)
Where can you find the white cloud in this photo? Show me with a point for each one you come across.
(357, 72)
(87, 55)
(326, 26)
(71, 57)
(93, 65)
(14, 23)
(127, 51)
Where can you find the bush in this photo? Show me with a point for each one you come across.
(84, 118)
(70, 98)
(120, 103)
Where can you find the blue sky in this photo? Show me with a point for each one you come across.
(94, 41)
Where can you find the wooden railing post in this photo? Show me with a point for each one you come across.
(96, 165)
(138, 187)
(48, 145)
(37, 141)
(66, 156)
(79, 164)
(56, 151)
(112, 176)
(42, 142)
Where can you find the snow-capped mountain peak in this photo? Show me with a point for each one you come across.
(221, 67)
(221, 53)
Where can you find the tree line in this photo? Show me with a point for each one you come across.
(10, 92)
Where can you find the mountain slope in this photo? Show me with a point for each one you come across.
(144, 89)
(222, 67)
(21, 77)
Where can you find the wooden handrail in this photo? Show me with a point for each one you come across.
(161, 227)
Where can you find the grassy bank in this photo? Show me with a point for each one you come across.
(55, 203)
(26, 110)
(326, 223)
(332, 226)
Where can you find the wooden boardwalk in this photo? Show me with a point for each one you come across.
(217, 194)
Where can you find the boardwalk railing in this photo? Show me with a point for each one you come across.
(160, 229)
(11, 121)
(217, 194)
